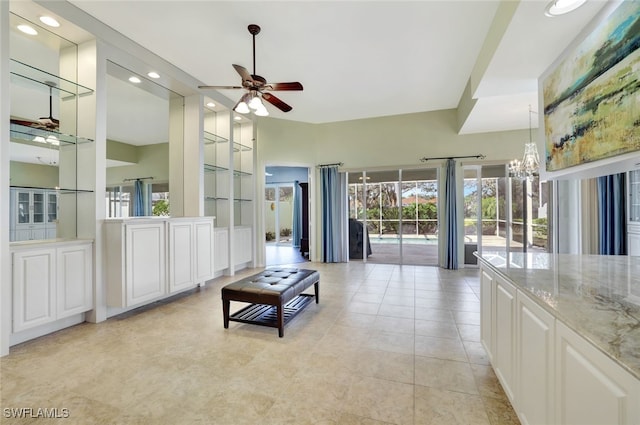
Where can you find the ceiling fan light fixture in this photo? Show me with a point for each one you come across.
(262, 111)
(255, 102)
(561, 7)
(242, 108)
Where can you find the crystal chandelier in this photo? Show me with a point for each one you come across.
(528, 167)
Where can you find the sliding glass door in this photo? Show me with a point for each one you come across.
(279, 213)
(394, 216)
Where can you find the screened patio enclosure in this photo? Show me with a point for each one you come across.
(399, 210)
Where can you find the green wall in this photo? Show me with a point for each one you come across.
(33, 175)
(153, 161)
(386, 142)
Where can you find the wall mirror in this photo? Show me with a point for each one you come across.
(142, 117)
(43, 129)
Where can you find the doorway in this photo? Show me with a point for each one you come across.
(286, 215)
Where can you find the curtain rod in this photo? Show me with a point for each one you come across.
(137, 178)
(479, 156)
(337, 164)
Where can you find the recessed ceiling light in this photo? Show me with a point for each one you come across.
(48, 20)
(153, 74)
(560, 7)
(237, 118)
(27, 29)
(211, 105)
(135, 79)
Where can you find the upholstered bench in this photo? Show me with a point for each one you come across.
(276, 297)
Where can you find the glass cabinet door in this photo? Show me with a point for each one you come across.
(52, 207)
(23, 207)
(634, 195)
(38, 207)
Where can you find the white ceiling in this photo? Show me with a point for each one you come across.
(357, 59)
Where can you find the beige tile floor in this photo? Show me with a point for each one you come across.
(386, 345)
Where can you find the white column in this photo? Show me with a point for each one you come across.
(5, 115)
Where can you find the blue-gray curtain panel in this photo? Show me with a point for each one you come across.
(138, 199)
(612, 215)
(331, 220)
(451, 217)
(296, 232)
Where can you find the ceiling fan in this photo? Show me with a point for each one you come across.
(257, 87)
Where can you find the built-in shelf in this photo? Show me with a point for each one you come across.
(62, 87)
(44, 137)
(61, 191)
(209, 168)
(239, 173)
(237, 147)
(214, 198)
(210, 138)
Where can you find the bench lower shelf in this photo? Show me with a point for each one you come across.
(267, 315)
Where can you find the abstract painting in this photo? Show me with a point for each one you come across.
(592, 98)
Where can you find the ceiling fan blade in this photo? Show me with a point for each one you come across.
(220, 87)
(276, 102)
(243, 73)
(294, 86)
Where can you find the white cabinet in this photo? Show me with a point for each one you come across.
(505, 326)
(204, 250)
(535, 362)
(34, 278)
(136, 254)
(487, 291)
(74, 270)
(221, 261)
(34, 214)
(243, 246)
(551, 374)
(591, 389)
(190, 252)
(51, 282)
(151, 258)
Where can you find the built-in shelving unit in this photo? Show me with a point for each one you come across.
(229, 187)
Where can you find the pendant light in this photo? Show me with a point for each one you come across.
(529, 166)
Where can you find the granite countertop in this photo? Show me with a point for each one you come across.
(598, 296)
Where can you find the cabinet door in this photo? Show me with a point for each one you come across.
(535, 362)
(243, 248)
(38, 216)
(486, 312)
(181, 245)
(221, 243)
(145, 262)
(52, 207)
(505, 326)
(23, 207)
(74, 271)
(590, 387)
(203, 232)
(33, 288)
